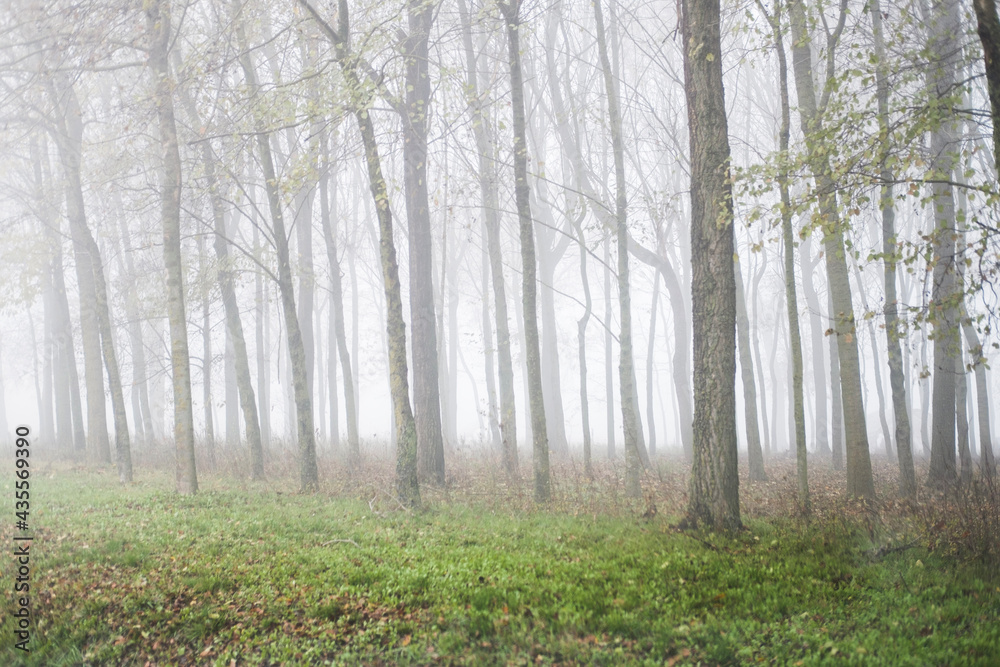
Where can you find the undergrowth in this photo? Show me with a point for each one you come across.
(253, 574)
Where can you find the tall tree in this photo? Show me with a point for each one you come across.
(540, 447)
(308, 470)
(159, 30)
(942, 21)
(714, 494)
(407, 484)
(897, 385)
(859, 470)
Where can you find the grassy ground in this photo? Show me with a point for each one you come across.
(248, 575)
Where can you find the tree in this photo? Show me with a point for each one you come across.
(942, 22)
(904, 447)
(540, 445)
(159, 30)
(491, 223)
(308, 470)
(859, 471)
(359, 101)
(714, 492)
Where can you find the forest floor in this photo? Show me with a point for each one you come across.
(256, 574)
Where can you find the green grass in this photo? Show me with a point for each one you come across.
(125, 576)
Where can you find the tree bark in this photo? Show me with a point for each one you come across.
(69, 138)
(329, 212)
(943, 23)
(626, 362)
(308, 470)
(897, 384)
(859, 472)
(158, 26)
(714, 491)
(540, 447)
(988, 25)
(755, 456)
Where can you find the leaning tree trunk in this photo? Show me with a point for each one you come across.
(308, 470)
(69, 141)
(158, 25)
(540, 446)
(407, 484)
(626, 362)
(978, 360)
(714, 492)
(859, 470)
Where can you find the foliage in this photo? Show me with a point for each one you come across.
(252, 575)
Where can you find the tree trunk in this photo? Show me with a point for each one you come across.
(754, 454)
(424, 345)
(791, 300)
(943, 23)
(491, 221)
(626, 362)
(158, 26)
(609, 376)
(308, 471)
(987, 460)
(262, 338)
(206, 361)
(407, 485)
(989, 34)
(328, 213)
(859, 472)
(897, 384)
(650, 349)
(540, 447)
(819, 375)
(714, 492)
(837, 407)
(69, 140)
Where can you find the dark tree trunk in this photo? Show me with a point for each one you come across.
(714, 494)
(989, 35)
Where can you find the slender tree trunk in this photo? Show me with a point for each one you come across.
(540, 448)
(943, 23)
(159, 28)
(582, 351)
(650, 349)
(859, 472)
(69, 140)
(328, 213)
(819, 375)
(206, 361)
(626, 362)
(791, 299)
(987, 460)
(424, 346)
(609, 377)
(754, 454)
(897, 384)
(491, 221)
(262, 340)
(308, 471)
(714, 495)
(407, 485)
(837, 407)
